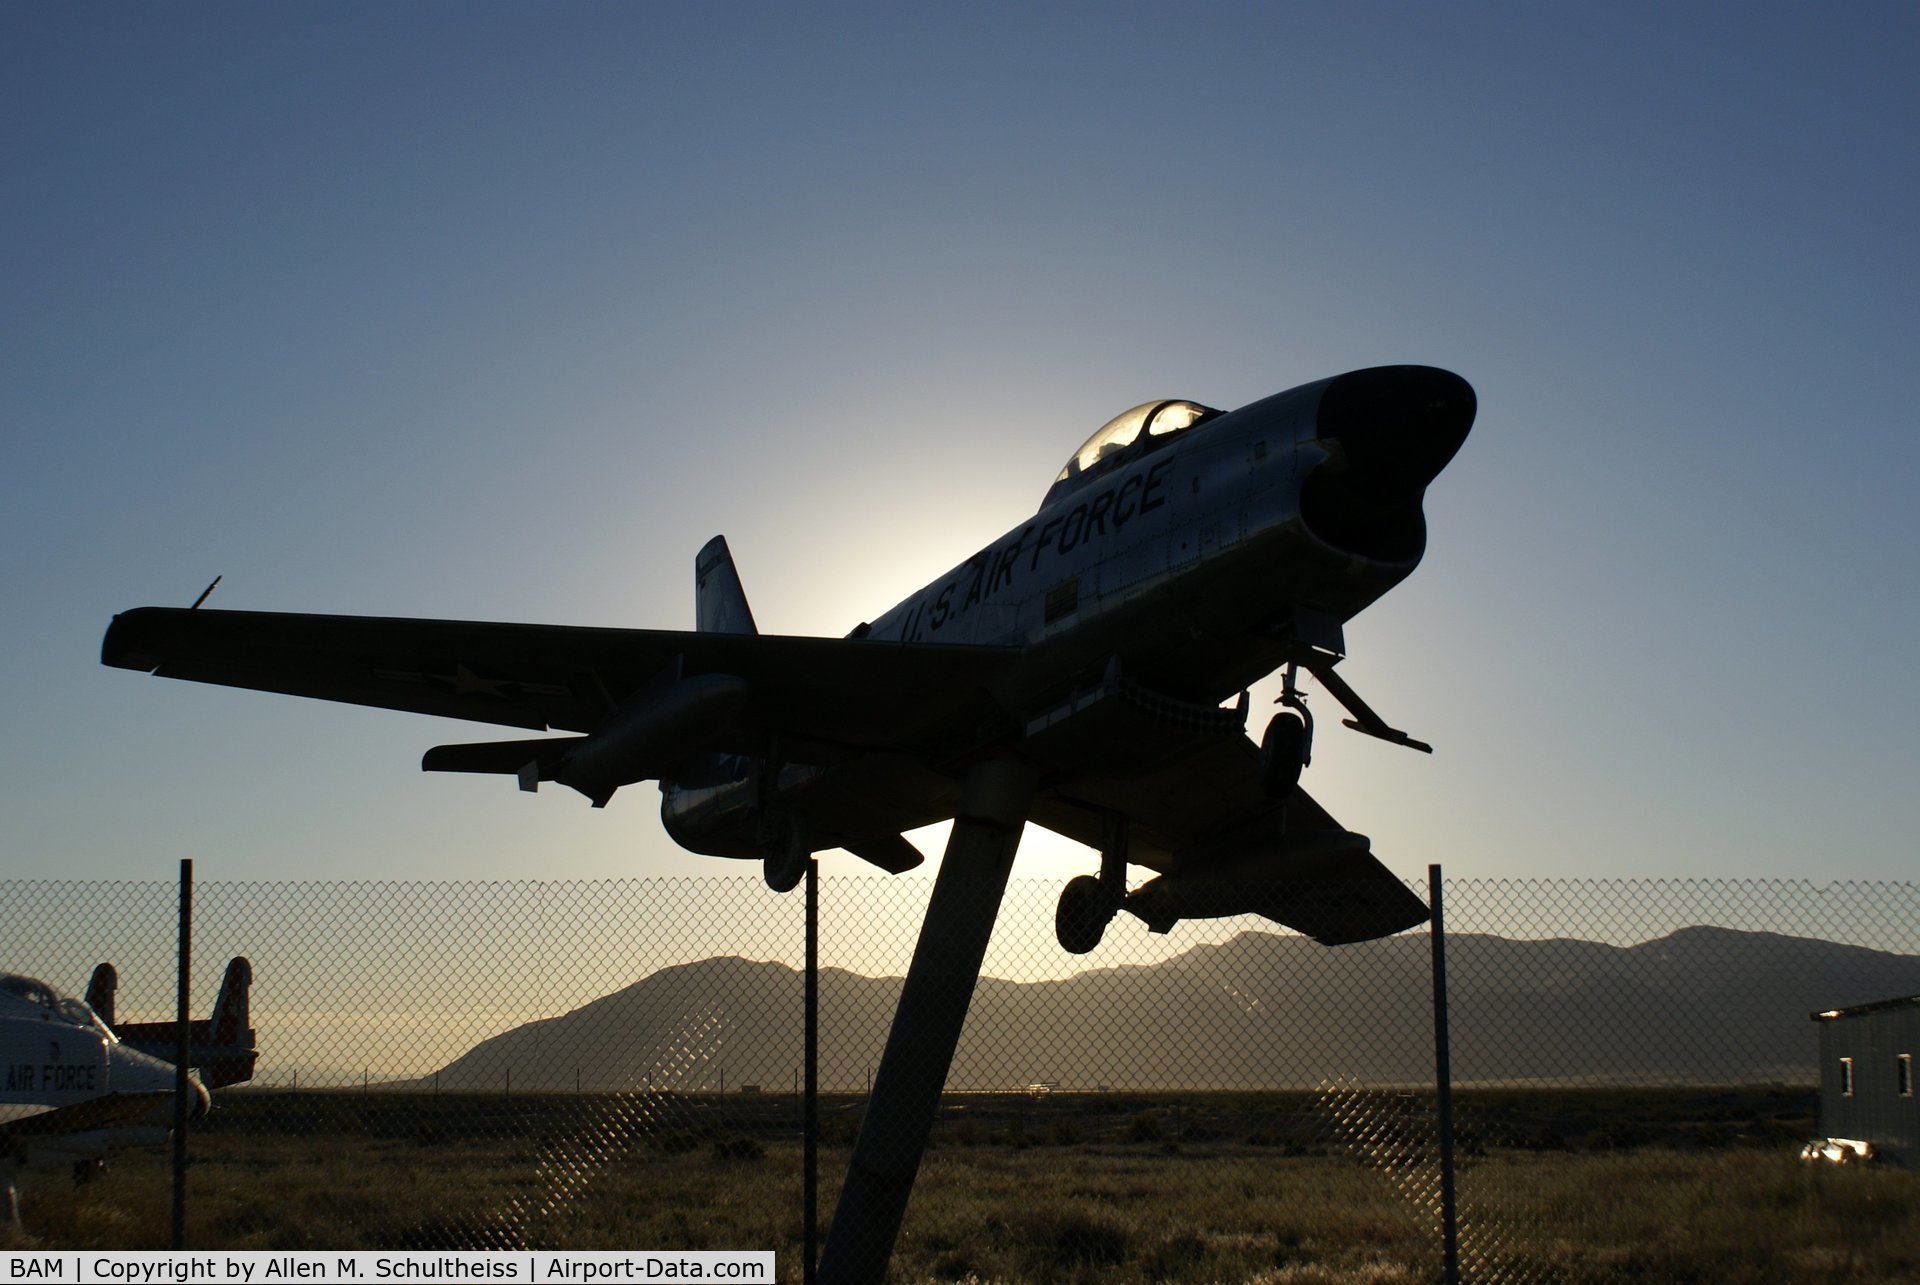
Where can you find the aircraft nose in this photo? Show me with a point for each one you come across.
(1398, 425)
(1389, 432)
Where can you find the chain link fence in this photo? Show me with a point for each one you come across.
(619, 1065)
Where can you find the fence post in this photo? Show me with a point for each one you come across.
(810, 1145)
(1443, 1078)
(182, 1053)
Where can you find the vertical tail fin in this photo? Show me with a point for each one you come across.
(231, 1019)
(719, 607)
(100, 988)
(221, 1047)
(719, 603)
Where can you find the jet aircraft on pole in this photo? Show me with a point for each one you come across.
(1087, 671)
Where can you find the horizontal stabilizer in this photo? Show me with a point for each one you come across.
(502, 758)
(892, 853)
(221, 1048)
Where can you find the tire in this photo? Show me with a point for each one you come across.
(1283, 754)
(1081, 918)
(785, 864)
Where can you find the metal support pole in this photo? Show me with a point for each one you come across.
(182, 1051)
(810, 1147)
(1443, 1079)
(926, 1026)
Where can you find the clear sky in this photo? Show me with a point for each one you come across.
(499, 312)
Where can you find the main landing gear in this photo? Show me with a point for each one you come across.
(1089, 903)
(782, 830)
(785, 864)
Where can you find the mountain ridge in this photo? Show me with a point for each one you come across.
(1260, 1010)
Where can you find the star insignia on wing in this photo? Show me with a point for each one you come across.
(463, 681)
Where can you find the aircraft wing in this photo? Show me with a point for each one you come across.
(822, 694)
(1203, 818)
(1182, 805)
(108, 1111)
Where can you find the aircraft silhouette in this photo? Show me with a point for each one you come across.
(69, 1088)
(1072, 673)
(1181, 554)
(220, 1047)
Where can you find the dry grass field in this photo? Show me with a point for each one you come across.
(1094, 1188)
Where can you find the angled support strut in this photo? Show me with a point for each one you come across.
(926, 1026)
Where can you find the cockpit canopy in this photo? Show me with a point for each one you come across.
(68, 1009)
(1126, 437)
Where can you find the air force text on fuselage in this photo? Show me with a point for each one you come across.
(994, 568)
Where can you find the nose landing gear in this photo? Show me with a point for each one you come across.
(1287, 747)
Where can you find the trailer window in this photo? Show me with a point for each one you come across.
(1846, 1077)
(1904, 1070)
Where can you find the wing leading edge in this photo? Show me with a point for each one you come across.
(824, 695)
(1199, 817)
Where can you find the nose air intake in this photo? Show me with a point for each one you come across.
(1389, 432)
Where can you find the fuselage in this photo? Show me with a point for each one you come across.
(1181, 557)
(59, 1058)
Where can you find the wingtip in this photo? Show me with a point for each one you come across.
(131, 642)
(119, 646)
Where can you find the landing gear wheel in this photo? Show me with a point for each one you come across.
(786, 860)
(1283, 753)
(1086, 907)
(784, 870)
